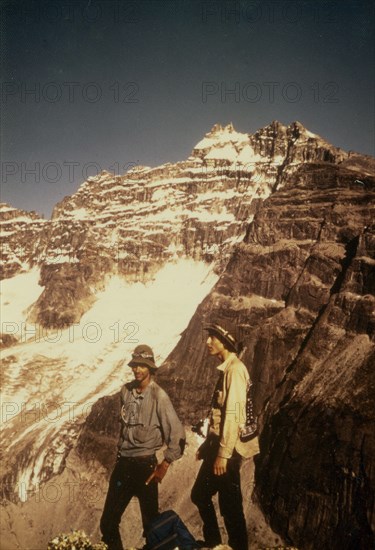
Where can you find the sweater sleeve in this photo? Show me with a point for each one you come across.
(234, 409)
(173, 431)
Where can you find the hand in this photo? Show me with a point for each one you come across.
(201, 451)
(220, 466)
(159, 472)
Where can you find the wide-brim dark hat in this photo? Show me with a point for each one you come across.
(143, 355)
(223, 335)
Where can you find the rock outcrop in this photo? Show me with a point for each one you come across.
(100, 433)
(300, 289)
(134, 223)
(20, 235)
(287, 220)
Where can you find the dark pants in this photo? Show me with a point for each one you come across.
(230, 501)
(127, 481)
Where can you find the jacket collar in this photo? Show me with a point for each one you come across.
(227, 362)
(144, 393)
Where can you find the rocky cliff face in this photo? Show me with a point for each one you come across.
(20, 235)
(300, 289)
(286, 219)
(133, 224)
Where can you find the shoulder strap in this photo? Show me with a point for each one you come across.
(218, 388)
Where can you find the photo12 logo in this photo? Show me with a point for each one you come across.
(69, 12)
(32, 413)
(90, 332)
(270, 92)
(69, 92)
(53, 172)
(88, 492)
(290, 12)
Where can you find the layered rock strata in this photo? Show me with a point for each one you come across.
(21, 234)
(300, 290)
(132, 224)
(298, 285)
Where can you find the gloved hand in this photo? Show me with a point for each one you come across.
(159, 472)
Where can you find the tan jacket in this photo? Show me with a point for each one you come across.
(230, 415)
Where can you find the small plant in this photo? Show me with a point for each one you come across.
(76, 540)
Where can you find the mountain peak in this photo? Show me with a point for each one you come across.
(219, 136)
(218, 128)
(299, 129)
(299, 125)
(277, 124)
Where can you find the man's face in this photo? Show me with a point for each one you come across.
(141, 373)
(214, 345)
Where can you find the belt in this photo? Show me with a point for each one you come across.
(142, 458)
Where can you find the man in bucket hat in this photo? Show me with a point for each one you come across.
(149, 421)
(223, 451)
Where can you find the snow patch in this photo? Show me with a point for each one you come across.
(17, 295)
(74, 367)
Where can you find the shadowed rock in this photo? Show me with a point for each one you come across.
(300, 289)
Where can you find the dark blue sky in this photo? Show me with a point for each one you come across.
(108, 83)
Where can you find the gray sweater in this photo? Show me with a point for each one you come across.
(149, 421)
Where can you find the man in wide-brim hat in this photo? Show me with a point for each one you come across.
(149, 421)
(223, 450)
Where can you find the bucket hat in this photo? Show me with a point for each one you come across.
(223, 335)
(143, 355)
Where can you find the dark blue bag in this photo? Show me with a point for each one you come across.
(167, 531)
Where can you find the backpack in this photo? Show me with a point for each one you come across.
(167, 531)
(250, 430)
